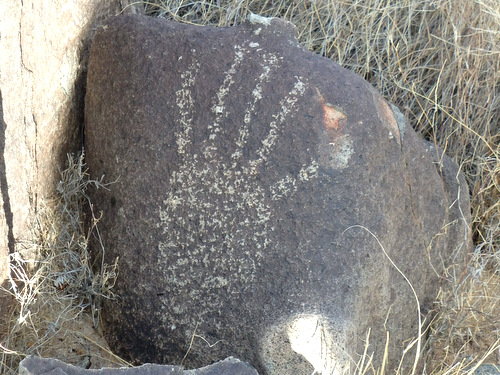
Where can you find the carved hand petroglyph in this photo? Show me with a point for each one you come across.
(224, 196)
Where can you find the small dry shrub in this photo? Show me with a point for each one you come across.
(57, 296)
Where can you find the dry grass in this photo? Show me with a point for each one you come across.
(439, 61)
(57, 298)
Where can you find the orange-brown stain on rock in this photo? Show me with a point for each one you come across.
(333, 119)
(340, 148)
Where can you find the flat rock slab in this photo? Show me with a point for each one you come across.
(251, 178)
(49, 366)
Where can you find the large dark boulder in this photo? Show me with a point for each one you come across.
(243, 168)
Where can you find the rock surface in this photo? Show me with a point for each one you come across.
(488, 369)
(48, 366)
(247, 175)
(44, 52)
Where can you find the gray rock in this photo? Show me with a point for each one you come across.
(49, 366)
(487, 369)
(245, 168)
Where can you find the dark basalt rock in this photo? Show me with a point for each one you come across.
(245, 167)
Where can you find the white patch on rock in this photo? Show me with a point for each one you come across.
(299, 85)
(309, 172)
(283, 188)
(256, 93)
(256, 19)
(214, 282)
(341, 151)
(311, 337)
